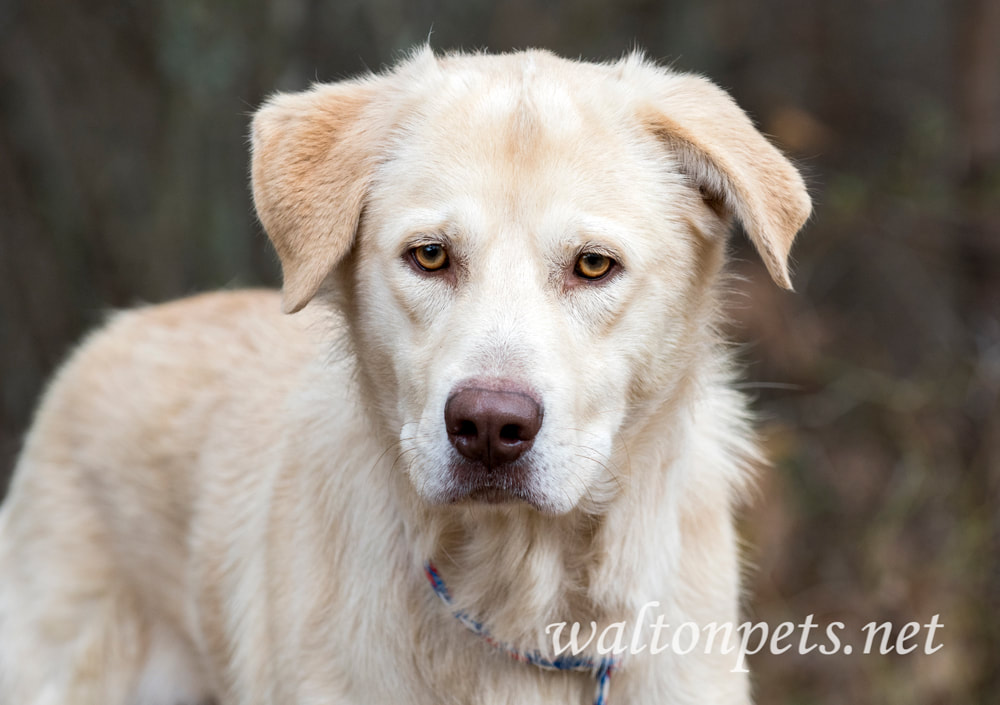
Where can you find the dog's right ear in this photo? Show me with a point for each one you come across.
(313, 159)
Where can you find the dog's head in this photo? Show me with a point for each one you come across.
(526, 248)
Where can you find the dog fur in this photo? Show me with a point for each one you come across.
(221, 502)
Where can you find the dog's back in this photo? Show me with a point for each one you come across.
(110, 458)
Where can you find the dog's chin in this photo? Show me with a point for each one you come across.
(486, 498)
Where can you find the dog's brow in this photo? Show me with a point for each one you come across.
(590, 229)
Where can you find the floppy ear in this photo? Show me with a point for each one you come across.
(733, 164)
(313, 158)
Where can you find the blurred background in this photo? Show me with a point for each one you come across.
(123, 179)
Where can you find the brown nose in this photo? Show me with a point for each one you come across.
(492, 426)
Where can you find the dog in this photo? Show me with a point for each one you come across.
(503, 403)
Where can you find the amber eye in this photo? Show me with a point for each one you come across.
(593, 265)
(430, 258)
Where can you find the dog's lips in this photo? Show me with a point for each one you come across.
(491, 495)
(503, 485)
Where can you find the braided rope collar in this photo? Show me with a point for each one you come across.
(601, 670)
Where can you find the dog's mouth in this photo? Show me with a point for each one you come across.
(491, 495)
(505, 484)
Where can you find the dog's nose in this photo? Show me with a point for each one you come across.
(492, 426)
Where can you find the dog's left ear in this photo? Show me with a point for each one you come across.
(732, 164)
(313, 158)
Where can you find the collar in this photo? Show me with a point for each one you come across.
(600, 670)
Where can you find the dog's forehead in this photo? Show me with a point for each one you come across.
(523, 134)
(513, 108)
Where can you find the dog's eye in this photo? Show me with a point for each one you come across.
(430, 258)
(593, 265)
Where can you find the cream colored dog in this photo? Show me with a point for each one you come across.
(510, 378)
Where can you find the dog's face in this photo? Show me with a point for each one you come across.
(536, 257)
(517, 261)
